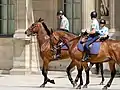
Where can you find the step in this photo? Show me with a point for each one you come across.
(16, 71)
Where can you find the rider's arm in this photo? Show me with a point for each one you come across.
(92, 31)
(105, 32)
(93, 28)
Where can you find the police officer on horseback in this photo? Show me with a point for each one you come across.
(64, 26)
(93, 35)
(103, 30)
(64, 23)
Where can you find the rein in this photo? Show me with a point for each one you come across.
(63, 39)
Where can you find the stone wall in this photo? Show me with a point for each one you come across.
(6, 54)
(45, 9)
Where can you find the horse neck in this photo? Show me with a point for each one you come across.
(42, 37)
(69, 36)
(71, 39)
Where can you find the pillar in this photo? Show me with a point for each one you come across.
(87, 7)
(31, 49)
(112, 17)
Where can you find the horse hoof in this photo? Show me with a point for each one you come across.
(85, 86)
(79, 87)
(42, 86)
(104, 88)
(74, 84)
(101, 83)
(52, 81)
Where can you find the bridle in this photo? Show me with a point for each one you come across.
(37, 26)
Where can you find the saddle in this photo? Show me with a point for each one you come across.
(94, 47)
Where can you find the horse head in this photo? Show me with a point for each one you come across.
(36, 27)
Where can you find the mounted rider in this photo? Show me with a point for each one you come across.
(64, 26)
(64, 23)
(104, 31)
(93, 34)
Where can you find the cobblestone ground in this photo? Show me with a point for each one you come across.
(32, 82)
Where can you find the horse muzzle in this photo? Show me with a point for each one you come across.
(25, 32)
(28, 33)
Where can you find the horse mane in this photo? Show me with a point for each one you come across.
(68, 33)
(73, 33)
(45, 26)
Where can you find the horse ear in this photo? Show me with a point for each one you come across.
(51, 30)
(39, 20)
(42, 19)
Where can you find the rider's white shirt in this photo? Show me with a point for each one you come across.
(64, 23)
(103, 31)
(95, 25)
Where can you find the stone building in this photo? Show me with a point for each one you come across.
(17, 15)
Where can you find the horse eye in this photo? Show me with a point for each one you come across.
(32, 24)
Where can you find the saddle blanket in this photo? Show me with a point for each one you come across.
(64, 47)
(94, 48)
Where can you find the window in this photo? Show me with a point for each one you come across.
(6, 18)
(72, 9)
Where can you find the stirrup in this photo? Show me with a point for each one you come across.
(56, 57)
(86, 58)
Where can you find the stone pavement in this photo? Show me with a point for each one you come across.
(32, 82)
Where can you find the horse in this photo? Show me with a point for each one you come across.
(43, 37)
(56, 38)
(109, 52)
(44, 40)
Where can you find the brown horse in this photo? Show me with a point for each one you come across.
(109, 52)
(46, 52)
(55, 37)
(45, 41)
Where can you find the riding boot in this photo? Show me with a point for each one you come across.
(86, 56)
(58, 53)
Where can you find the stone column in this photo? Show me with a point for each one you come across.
(87, 7)
(32, 58)
(112, 17)
(29, 13)
(97, 8)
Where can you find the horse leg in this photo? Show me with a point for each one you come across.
(97, 68)
(80, 76)
(44, 73)
(113, 72)
(87, 69)
(77, 78)
(72, 64)
(101, 67)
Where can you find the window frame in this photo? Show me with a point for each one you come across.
(10, 6)
(72, 19)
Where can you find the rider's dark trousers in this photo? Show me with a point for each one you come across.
(92, 39)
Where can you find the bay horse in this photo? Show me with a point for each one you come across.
(43, 37)
(56, 38)
(44, 40)
(109, 52)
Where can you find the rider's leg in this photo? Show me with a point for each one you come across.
(58, 52)
(86, 47)
(86, 56)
